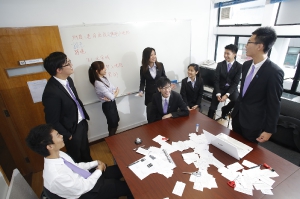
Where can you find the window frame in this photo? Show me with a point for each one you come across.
(296, 77)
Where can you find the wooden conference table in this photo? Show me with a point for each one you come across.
(158, 186)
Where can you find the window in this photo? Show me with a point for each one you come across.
(244, 14)
(222, 42)
(285, 53)
(288, 13)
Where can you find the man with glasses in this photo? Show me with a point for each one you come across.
(63, 108)
(166, 103)
(256, 111)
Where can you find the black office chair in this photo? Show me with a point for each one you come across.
(46, 194)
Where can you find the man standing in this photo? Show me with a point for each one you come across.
(227, 78)
(63, 108)
(256, 112)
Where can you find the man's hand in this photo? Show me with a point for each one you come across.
(101, 166)
(70, 138)
(189, 108)
(224, 97)
(194, 107)
(219, 98)
(167, 116)
(264, 136)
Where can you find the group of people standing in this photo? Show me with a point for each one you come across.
(254, 116)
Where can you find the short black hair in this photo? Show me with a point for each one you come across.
(38, 139)
(233, 48)
(162, 82)
(266, 36)
(54, 61)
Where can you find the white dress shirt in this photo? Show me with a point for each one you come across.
(64, 84)
(61, 180)
(103, 90)
(256, 66)
(231, 64)
(193, 82)
(152, 71)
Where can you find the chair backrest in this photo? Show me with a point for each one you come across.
(51, 195)
(3, 184)
(19, 188)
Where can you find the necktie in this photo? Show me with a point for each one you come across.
(228, 67)
(76, 169)
(74, 98)
(166, 106)
(248, 80)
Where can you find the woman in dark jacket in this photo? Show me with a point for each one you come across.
(192, 88)
(150, 71)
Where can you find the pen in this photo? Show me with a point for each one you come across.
(255, 166)
(197, 128)
(268, 167)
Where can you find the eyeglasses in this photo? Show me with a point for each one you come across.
(252, 42)
(68, 63)
(166, 88)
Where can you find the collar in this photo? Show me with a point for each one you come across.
(163, 99)
(259, 64)
(63, 82)
(190, 80)
(230, 63)
(154, 66)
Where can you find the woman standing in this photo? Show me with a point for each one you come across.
(150, 71)
(192, 88)
(106, 93)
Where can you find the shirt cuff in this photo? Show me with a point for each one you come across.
(227, 94)
(218, 94)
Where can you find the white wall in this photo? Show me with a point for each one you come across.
(20, 13)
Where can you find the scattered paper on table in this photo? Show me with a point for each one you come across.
(179, 188)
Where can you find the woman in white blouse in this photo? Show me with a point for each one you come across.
(106, 93)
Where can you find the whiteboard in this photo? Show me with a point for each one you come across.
(120, 47)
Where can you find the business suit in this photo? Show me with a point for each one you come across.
(61, 111)
(175, 102)
(222, 77)
(147, 82)
(258, 110)
(192, 95)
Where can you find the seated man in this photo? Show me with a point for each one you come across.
(227, 78)
(165, 104)
(67, 179)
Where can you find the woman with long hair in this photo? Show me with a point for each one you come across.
(192, 88)
(106, 93)
(150, 71)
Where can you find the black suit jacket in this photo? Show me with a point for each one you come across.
(59, 107)
(260, 106)
(232, 77)
(147, 83)
(175, 102)
(192, 96)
